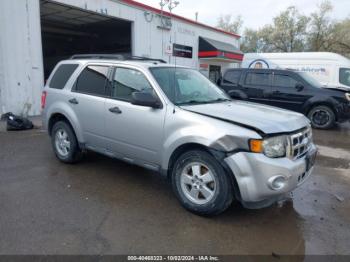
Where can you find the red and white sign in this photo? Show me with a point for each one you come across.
(168, 49)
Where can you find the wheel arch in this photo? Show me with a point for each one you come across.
(54, 118)
(329, 104)
(60, 116)
(182, 149)
(238, 94)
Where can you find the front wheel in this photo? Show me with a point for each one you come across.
(201, 184)
(321, 117)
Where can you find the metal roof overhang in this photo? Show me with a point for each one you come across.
(213, 49)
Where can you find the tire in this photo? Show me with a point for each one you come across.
(199, 194)
(321, 117)
(64, 143)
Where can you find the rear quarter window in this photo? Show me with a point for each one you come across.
(61, 75)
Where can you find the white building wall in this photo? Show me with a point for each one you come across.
(147, 38)
(21, 66)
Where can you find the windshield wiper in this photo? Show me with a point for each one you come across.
(196, 102)
(219, 100)
(190, 102)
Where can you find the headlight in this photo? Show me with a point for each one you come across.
(275, 146)
(347, 95)
(272, 147)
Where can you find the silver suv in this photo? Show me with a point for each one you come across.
(175, 121)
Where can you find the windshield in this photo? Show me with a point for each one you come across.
(344, 76)
(309, 79)
(187, 86)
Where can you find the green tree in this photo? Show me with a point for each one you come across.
(230, 24)
(251, 42)
(321, 28)
(339, 41)
(287, 33)
(292, 31)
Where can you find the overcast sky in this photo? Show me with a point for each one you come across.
(255, 13)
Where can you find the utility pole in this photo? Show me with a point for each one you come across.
(171, 5)
(162, 4)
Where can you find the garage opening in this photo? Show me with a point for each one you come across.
(67, 30)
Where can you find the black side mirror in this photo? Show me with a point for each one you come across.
(299, 87)
(145, 99)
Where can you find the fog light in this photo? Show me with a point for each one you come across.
(277, 182)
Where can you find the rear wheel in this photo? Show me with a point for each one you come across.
(64, 143)
(322, 117)
(201, 184)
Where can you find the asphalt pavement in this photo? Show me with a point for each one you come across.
(104, 206)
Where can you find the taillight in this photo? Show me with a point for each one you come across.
(43, 99)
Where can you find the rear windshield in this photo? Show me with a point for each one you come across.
(61, 76)
(344, 76)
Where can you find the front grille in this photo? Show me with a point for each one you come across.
(299, 143)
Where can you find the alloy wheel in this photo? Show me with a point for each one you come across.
(62, 142)
(198, 183)
(320, 117)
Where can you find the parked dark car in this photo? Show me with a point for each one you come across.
(291, 90)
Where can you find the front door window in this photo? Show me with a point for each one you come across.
(344, 76)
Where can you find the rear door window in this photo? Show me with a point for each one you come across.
(232, 77)
(92, 80)
(284, 81)
(258, 79)
(62, 75)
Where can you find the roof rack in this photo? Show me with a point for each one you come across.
(142, 58)
(116, 57)
(98, 56)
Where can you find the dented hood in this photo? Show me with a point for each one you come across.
(263, 118)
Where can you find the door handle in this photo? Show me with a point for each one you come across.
(73, 101)
(115, 110)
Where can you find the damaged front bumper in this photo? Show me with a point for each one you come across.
(263, 180)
